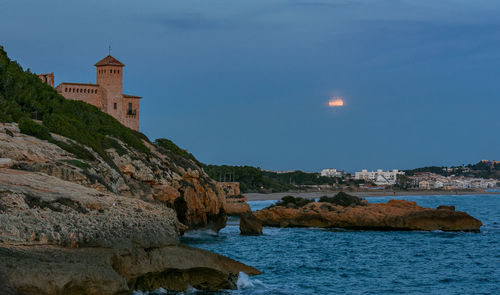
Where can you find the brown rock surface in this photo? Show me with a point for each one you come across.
(394, 215)
(236, 205)
(161, 176)
(58, 237)
(250, 225)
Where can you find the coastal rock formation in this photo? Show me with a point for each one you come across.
(236, 205)
(393, 215)
(58, 237)
(159, 176)
(250, 225)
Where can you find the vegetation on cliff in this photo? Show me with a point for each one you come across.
(23, 96)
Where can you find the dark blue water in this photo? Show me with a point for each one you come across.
(318, 261)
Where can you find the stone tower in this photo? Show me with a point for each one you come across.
(109, 73)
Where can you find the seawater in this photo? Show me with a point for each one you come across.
(320, 261)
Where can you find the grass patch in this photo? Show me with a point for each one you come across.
(78, 164)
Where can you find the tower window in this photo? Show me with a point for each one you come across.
(114, 106)
(118, 71)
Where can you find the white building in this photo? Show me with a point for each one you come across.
(379, 177)
(332, 172)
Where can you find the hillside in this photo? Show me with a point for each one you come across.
(75, 141)
(480, 170)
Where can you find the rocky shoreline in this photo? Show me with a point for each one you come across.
(350, 212)
(75, 226)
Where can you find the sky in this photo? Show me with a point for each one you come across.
(248, 82)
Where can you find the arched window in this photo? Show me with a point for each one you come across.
(65, 89)
(118, 71)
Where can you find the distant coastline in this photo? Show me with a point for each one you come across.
(365, 194)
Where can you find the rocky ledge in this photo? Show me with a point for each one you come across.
(59, 237)
(353, 213)
(160, 176)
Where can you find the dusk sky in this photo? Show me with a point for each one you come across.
(248, 82)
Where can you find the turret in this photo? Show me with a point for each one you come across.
(109, 73)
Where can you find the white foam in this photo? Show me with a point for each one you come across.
(200, 233)
(244, 282)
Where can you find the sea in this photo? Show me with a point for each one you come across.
(336, 261)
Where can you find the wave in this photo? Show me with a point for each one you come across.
(244, 282)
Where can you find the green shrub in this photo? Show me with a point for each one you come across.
(342, 199)
(79, 164)
(24, 95)
(30, 127)
(168, 145)
(77, 150)
(9, 133)
(293, 202)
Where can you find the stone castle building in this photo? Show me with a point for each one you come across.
(107, 94)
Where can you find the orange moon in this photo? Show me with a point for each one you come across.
(335, 102)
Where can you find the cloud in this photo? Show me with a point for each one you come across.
(195, 21)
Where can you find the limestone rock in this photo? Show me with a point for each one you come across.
(393, 215)
(102, 271)
(37, 209)
(236, 205)
(250, 225)
(160, 176)
(6, 163)
(58, 237)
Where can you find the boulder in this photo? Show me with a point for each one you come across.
(393, 215)
(250, 225)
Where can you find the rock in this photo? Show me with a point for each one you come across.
(250, 225)
(101, 271)
(58, 237)
(177, 182)
(6, 163)
(444, 207)
(394, 215)
(37, 209)
(236, 205)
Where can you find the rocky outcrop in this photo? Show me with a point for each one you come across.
(250, 225)
(393, 215)
(237, 205)
(58, 237)
(159, 176)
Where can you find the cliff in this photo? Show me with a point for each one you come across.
(58, 237)
(158, 176)
(394, 215)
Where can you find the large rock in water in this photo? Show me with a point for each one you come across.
(58, 237)
(159, 176)
(250, 225)
(393, 215)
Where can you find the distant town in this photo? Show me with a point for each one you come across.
(483, 175)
